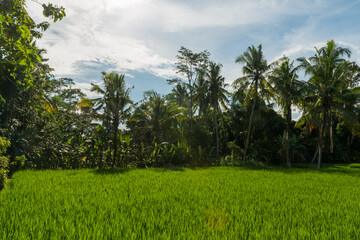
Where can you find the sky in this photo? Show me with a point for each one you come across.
(141, 38)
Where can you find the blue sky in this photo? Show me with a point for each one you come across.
(141, 37)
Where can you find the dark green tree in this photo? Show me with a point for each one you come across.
(201, 87)
(189, 65)
(217, 95)
(328, 71)
(286, 90)
(115, 103)
(157, 119)
(254, 70)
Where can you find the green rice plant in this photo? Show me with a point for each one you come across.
(183, 203)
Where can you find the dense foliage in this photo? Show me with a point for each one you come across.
(47, 123)
(212, 203)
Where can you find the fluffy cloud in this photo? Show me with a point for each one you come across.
(144, 35)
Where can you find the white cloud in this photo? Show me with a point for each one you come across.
(144, 35)
(81, 36)
(120, 31)
(355, 50)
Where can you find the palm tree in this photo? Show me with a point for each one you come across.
(286, 89)
(254, 69)
(328, 71)
(115, 102)
(190, 65)
(84, 105)
(156, 117)
(202, 94)
(179, 94)
(217, 95)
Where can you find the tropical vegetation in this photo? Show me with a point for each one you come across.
(47, 123)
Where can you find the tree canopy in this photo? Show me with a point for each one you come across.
(46, 122)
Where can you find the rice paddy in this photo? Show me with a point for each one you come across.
(211, 203)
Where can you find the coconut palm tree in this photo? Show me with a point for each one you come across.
(254, 69)
(217, 95)
(115, 103)
(156, 118)
(328, 71)
(202, 94)
(286, 89)
(179, 93)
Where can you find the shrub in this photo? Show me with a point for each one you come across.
(4, 161)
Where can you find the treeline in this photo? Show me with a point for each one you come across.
(47, 123)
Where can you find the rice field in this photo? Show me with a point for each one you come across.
(211, 203)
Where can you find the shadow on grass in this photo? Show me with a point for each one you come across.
(296, 169)
(111, 171)
(341, 169)
(114, 171)
(167, 169)
(306, 168)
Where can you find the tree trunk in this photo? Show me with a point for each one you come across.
(191, 106)
(217, 134)
(331, 136)
(288, 122)
(348, 143)
(247, 143)
(115, 143)
(320, 153)
(101, 150)
(316, 153)
(321, 139)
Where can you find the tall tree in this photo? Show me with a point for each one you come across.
(189, 65)
(286, 90)
(255, 67)
(328, 70)
(115, 102)
(179, 93)
(21, 70)
(19, 54)
(217, 95)
(156, 119)
(62, 130)
(202, 93)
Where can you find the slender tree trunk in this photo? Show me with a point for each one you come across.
(288, 122)
(320, 153)
(331, 136)
(247, 143)
(316, 153)
(101, 150)
(321, 139)
(191, 106)
(217, 134)
(348, 143)
(116, 125)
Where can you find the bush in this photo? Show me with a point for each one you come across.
(229, 161)
(4, 161)
(19, 163)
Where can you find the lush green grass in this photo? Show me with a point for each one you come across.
(213, 203)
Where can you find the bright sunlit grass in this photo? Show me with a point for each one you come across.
(213, 203)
